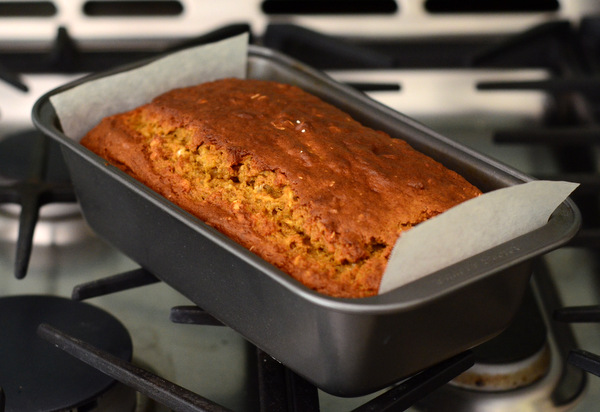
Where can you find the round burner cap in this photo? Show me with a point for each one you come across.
(36, 376)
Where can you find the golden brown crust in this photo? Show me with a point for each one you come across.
(292, 178)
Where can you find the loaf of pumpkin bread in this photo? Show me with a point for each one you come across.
(290, 177)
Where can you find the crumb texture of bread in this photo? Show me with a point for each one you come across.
(290, 177)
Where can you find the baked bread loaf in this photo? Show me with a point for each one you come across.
(292, 178)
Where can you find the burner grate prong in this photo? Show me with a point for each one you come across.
(12, 78)
(578, 314)
(32, 192)
(585, 360)
(193, 315)
(587, 238)
(589, 85)
(405, 394)
(552, 136)
(280, 389)
(116, 283)
(31, 200)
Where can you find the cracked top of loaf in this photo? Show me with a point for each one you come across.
(292, 178)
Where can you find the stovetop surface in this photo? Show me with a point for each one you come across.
(207, 359)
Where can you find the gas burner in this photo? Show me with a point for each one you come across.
(523, 368)
(36, 377)
(518, 357)
(502, 377)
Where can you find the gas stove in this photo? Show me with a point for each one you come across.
(510, 83)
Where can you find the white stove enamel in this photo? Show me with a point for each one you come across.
(196, 17)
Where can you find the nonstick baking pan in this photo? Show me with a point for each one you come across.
(346, 347)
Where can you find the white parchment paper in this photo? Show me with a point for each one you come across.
(81, 108)
(472, 227)
(457, 234)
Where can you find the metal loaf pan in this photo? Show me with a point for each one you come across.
(346, 347)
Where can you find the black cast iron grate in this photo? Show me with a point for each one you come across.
(280, 389)
(572, 55)
(571, 130)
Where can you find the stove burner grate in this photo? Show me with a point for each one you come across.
(278, 386)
